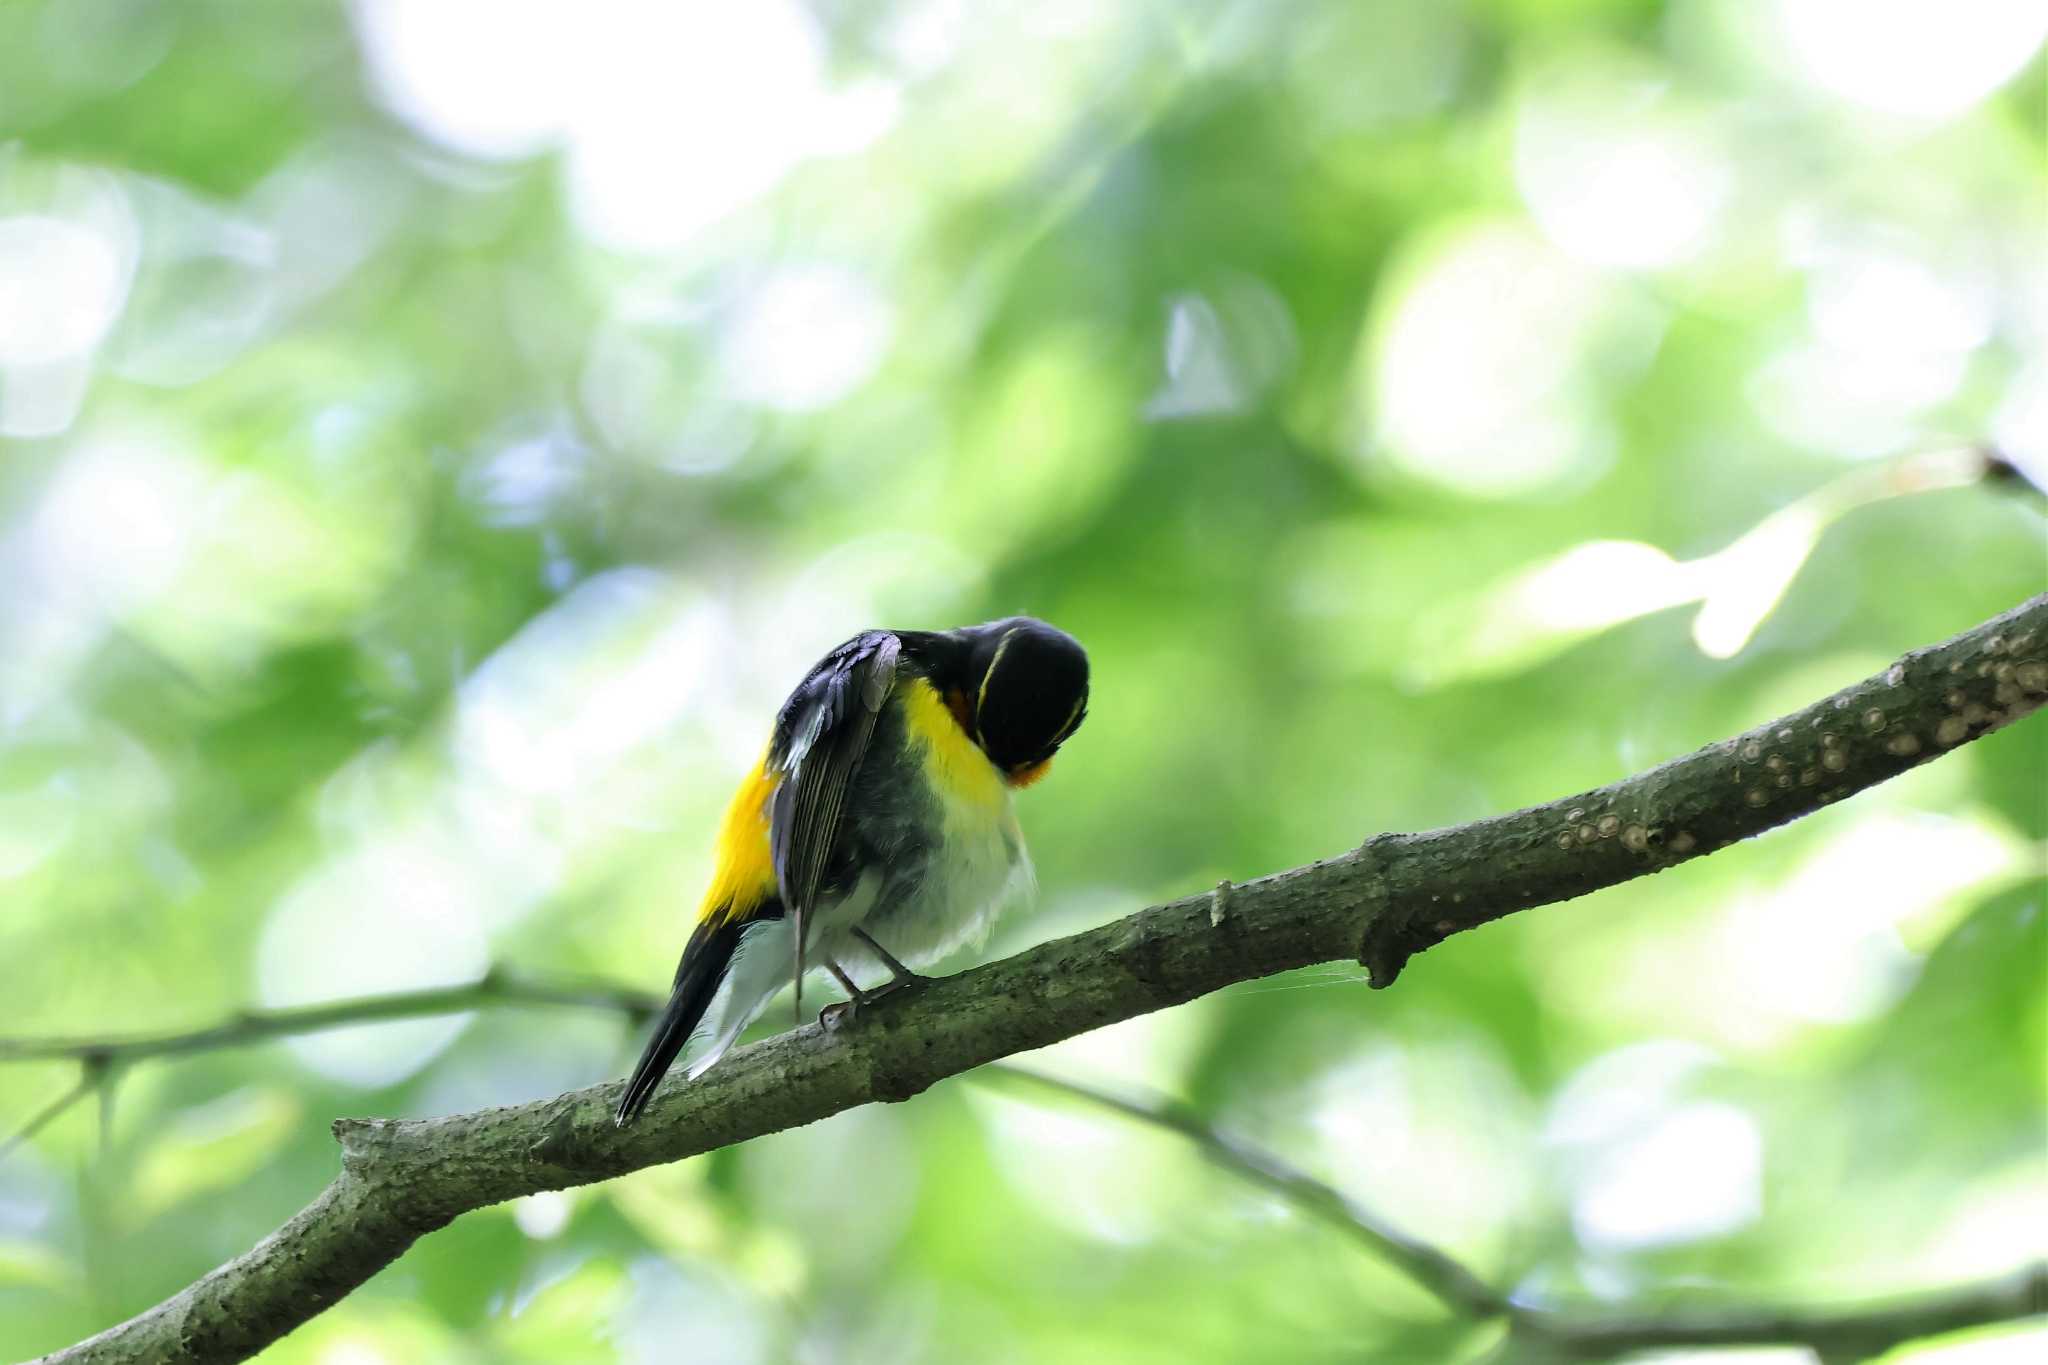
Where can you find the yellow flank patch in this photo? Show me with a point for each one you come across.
(954, 763)
(743, 874)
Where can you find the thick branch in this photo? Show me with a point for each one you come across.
(1391, 898)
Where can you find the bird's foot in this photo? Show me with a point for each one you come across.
(840, 1013)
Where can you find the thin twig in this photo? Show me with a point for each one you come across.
(256, 1026)
(1428, 1266)
(1567, 1334)
(49, 1113)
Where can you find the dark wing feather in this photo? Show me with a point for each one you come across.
(821, 739)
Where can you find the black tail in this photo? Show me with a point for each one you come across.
(703, 967)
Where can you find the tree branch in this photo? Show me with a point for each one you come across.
(1395, 896)
(1429, 1266)
(1849, 1333)
(1573, 1335)
(43, 1117)
(256, 1026)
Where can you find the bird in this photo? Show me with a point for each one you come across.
(877, 830)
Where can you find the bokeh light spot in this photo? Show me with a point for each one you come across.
(401, 913)
(1478, 376)
(1615, 170)
(1908, 57)
(806, 337)
(61, 287)
(1648, 1164)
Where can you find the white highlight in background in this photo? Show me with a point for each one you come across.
(66, 268)
(1648, 1164)
(805, 337)
(1892, 324)
(1837, 954)
(402, 913)
(671, 116)
(1692, 1173)
(1848, 927)
(2020, 428)
(2014, 1344)
(113, 529)
(61, 287)
(1614, 170)
(486, 77)
(1480, 369)
(1910, 57)
(542, 1216)
(613, 666)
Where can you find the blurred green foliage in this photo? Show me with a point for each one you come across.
(433, 437)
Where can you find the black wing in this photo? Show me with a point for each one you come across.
(821, 738)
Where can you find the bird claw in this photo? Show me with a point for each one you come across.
(840, 1013)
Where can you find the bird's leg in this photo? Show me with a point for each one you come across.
(836, 1013)
(853, 992)
(899, 975)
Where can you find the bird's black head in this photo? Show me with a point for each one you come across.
(1026, 688)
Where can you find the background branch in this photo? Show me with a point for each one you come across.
(49, 1113)
(1576, 1335)
(1428, 1266)
(1397, 895)
(101, 1058)
(1848, 1334)
(256, 1026)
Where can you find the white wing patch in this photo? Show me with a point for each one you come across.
(806, 735)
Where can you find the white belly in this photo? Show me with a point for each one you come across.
(978, 866)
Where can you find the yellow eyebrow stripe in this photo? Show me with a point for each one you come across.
(981, 694)
(1067, 725)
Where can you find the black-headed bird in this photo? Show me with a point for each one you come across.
(877, 830)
